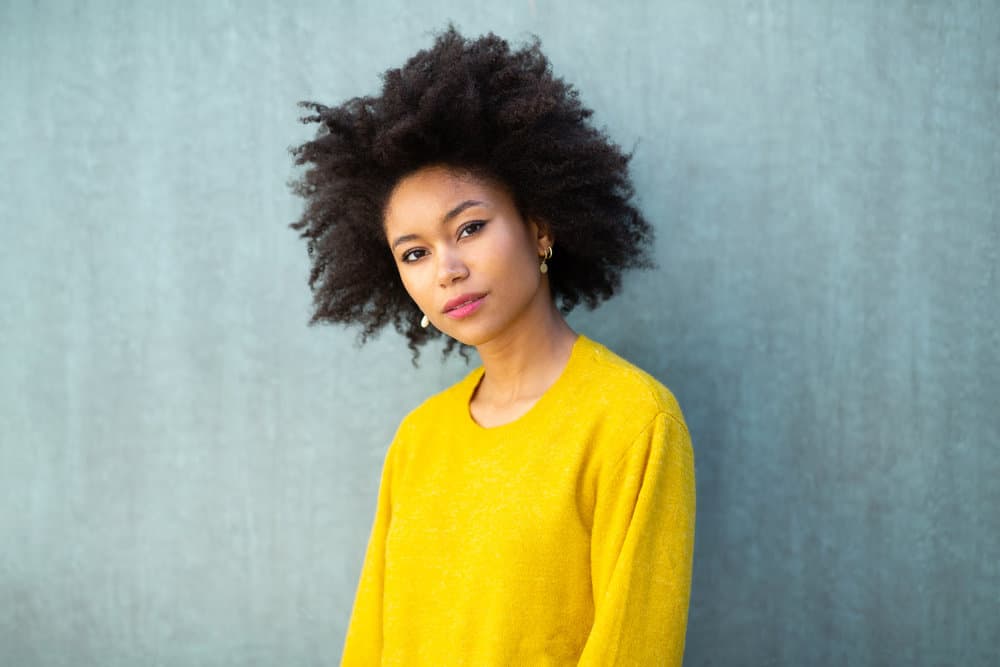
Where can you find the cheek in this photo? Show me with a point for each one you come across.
(410, 287)
(516, 268)
(513, 249)
(522, 255)
(415, 282)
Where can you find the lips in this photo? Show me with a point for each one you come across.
(464, 305)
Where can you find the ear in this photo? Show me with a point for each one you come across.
(542, 234)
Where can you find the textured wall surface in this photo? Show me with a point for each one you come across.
(188, 472)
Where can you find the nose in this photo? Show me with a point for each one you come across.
(451, 268)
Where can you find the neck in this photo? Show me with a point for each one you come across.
(524, 361)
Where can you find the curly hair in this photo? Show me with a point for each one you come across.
(479, 107)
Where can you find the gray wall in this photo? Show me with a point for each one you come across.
(188, 472)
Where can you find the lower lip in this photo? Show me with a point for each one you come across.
(465, 310)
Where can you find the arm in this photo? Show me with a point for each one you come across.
(642, 546)
(363, 644)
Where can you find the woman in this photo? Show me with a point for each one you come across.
(540, 511)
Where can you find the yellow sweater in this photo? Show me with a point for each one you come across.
(562, 538)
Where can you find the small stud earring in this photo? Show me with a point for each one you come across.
(544, 268)
(424, 322)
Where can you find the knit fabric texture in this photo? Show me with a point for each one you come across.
(564, 537)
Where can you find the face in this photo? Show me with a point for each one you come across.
(464, 253)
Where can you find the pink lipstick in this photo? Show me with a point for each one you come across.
(464, 305)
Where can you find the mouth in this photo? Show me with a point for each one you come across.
(464, 305)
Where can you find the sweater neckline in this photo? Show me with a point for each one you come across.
(542, 407)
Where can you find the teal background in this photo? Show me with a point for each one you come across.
(188, 472)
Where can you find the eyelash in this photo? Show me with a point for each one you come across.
(478, 224)
(475, 226)
(408, 257)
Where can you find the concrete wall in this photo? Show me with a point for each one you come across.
(188, 472)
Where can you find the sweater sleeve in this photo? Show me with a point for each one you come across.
(363, 643)
(642, 546)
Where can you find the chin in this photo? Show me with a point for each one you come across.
(472, 334)
(466, 339)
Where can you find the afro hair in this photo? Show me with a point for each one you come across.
(480, 107)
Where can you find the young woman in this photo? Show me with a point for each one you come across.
(541, 511)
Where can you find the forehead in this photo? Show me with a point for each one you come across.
(432, 191)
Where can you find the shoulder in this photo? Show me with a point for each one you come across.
(443, 407)
(622, 386)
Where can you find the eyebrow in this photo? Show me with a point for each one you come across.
(468, 203)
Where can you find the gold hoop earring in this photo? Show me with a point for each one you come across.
(424, 322)
(544, 268)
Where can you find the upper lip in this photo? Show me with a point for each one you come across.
(462, 300)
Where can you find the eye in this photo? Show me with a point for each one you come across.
(411, 256)
(473, 227)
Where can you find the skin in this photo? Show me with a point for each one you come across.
(451, 234)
